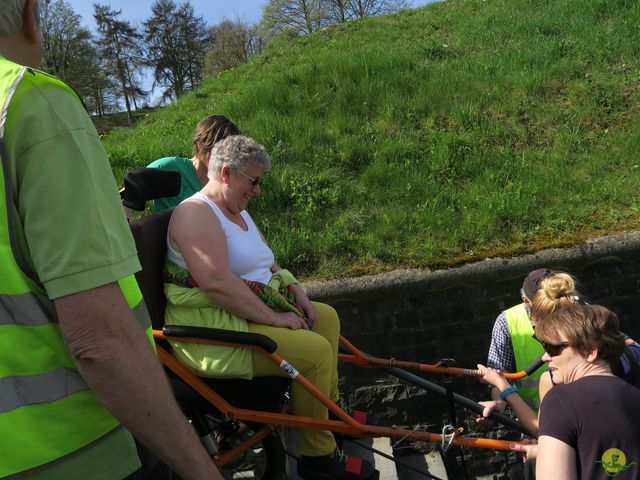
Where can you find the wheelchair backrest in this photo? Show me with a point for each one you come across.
(150, 235)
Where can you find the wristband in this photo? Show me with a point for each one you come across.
(508, 391)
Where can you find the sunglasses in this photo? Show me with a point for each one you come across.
(254, 181)
(552, 349)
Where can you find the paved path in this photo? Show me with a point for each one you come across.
(389, 470)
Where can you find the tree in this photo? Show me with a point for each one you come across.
(337, 10)
(175, 44)
(62, 34)
(233, 43)
(307, 16)
(69, 53)
(300, 16)
(101, 94)
(119, 47)
(370, 8)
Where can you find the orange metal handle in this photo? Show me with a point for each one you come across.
(357, 357)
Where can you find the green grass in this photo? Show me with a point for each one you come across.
(457, 131)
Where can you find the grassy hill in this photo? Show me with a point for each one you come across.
(445, 134)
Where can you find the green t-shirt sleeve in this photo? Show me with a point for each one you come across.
(74, 228)
(189, 182)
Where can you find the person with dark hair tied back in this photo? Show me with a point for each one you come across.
(589, 422)
(193, 171)
(554, 291)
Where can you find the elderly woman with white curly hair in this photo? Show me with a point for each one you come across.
(217, 260)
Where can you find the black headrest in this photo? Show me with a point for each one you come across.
(144, 184)
(150, 235)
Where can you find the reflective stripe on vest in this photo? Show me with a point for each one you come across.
(47, 412)
(133, 296)
(525, 351)
(34, 309)
(27, 309)
(19, 391)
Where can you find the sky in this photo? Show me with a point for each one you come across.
(213, 11)
(137, 11)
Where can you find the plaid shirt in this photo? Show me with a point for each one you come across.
(501, 354)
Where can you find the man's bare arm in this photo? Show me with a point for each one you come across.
(115, 358)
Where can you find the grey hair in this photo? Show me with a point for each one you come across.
(11, 16)
(239, 152)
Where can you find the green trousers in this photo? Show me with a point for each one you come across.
(315, 355)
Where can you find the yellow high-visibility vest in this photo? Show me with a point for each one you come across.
(525, 351)
(47, 412)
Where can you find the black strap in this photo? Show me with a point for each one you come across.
(448, 384)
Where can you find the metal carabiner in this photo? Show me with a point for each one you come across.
(448, 434)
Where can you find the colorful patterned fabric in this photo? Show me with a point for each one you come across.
(281, 300)
(177, 275)
(274, 299)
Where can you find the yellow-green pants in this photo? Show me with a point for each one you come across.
(315, 355)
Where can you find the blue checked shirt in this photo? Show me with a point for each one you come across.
(501, 354)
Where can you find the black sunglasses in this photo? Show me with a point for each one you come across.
(553, 349)
(254, 181)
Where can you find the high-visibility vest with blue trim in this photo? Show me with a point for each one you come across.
(47, 412)
(525, 351)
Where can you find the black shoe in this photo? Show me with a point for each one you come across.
(335, 466)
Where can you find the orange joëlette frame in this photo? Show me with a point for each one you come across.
(356, 357)
(346, 424)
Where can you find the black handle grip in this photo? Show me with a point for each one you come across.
(255, 339)
(535, 365)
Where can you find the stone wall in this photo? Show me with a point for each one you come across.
(421, 315)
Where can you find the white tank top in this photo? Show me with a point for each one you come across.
(249, 256)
